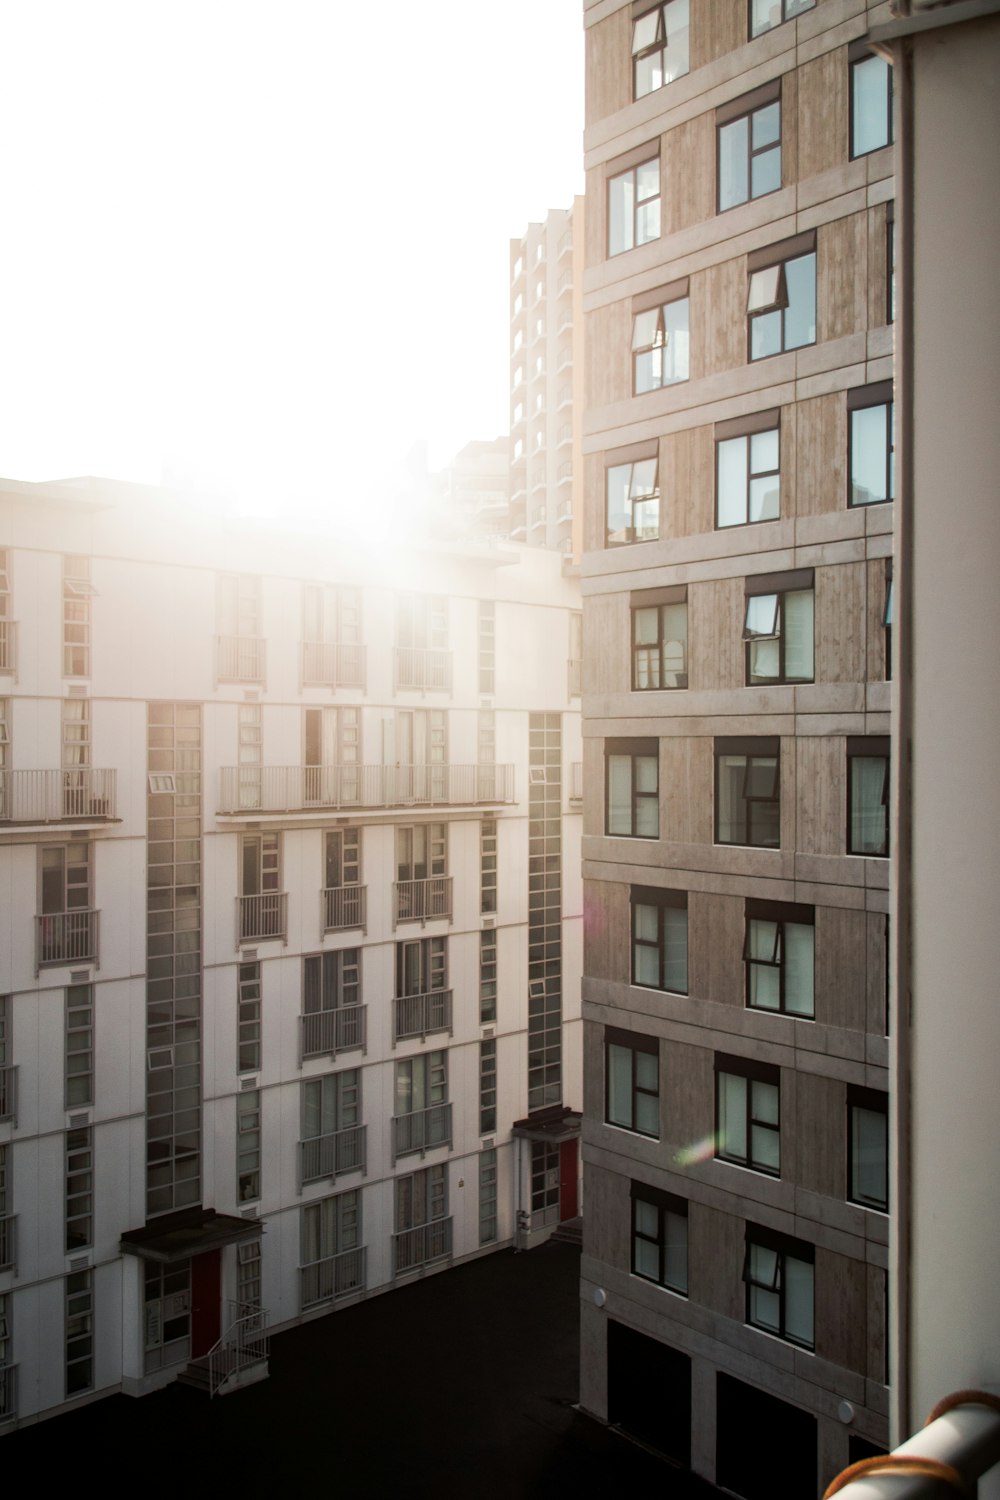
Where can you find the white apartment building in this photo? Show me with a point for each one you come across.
(290, 915)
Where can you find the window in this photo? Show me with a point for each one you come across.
(333, 1017)
(871, 100)
(248, 1275)
(778, 628)
(487, 976)
(79, 1045)
(660, 1238)
(632, 1081)
(66, 877)
(747, 456)
(240, 644)
(748, 792)
(6, 1216)
(887, 619)
(332, 1135)
(659, 639)
(487, 1087)
(6, 623)
(764, 14)
(332, 1258)
(779, 953)
(487, 646)
(421, 1082)
(749, 149)
(660, 338)
(781, 296)
(634, 205)
(79, 1332)
(488, 865)
(868, 795)
(77, 594)
(659, 939)
(8, 1073)
(633, 497)
(262, 902)
(79, 1188)
(344, 894)
(486, 737)
(890, 262)
(5, 792)
(8, 1387)
(778, 1272)
(487, 1196)
(248, 1145)
(868, 1147)
(423, 1228)
(871, 456)
(421, 966)
(633, 788)
(575, 659)
(659, 45)
(747, 1113)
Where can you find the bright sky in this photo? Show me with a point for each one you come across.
(264, 243)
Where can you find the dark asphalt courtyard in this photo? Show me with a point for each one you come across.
(462, 1384)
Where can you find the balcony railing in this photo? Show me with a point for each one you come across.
(330, 1156)
(8, 646)
(240, 658)
(421, 1015)
(333, 664)
(575, 676)
(344, 907)
(576, 781)
(336, 1276)
(8, 1092)
(423, 900)
(56, 796)
(66, 937)
(421, 1246)
(8, 1242)
(425, 667)
(253, 789)
(8, 1393)
(324, 1033)
(261, 917)
(421, 1131)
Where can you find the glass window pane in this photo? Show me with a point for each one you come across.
(620, 794)
(798, 951)
(868, 1155)
(870, 102)
(765, 335)
(732, 459)
(644, 32)
(800, 315)
(647, 1071)
(797, 629)
(766, 125)
(765, 289)
(646, 623)
(765, 662)
(766, 172)
(619, 1086)
(675, 930)
(645, 773)
(765, 1102)
(644, 329)
(869, 435)
(621, 200)
(765, 1149)
(762, 614)
(647, 222)
(869, 825)
(732, 806)
(675, 1259)
(647, 179)
(734, 186)
(675, 358)
(675, 645)
(619, 511)
(798, 1300)
(647, 1114)
(732, 1116)
(764, 452)
(647, 966)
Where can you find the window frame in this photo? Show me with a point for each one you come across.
(764, 585)
(79, 1200)
(635, 751)
(487, 1086)
(660, 899)
(887, 612)
(777, 259)
(784, 1248)
(728, 116)
(660, 43)
(757, 748)
(781, 914)
(79, 1013)
(858, 55)
(745, 429)
(868, 747)
(867, 398)
(79, 1332)
(659, 599)
(638, 1045)
(749, 1071)
(629, 166)
(872, 1102)
(667, 1206)
(672, 295)
(637, 456)
(248, 1145)
(803, 7)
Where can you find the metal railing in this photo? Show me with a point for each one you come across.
(256, 789)
(330, 1156)
(344, 906)
(420, 1015)
(422, 900)
(334, 1277)
(262, 916)
(324, 1033)
(421, 1131)
(421, 1246)
(8, 1091)
(240, 658)
(66, 937)
(964, 1438)
(574, 674)
(333, 664)
(8, 645)
(8, 1393)
(52, 796)
(8, 1241)
(576, 781)
(246, 1342)
(425, 667)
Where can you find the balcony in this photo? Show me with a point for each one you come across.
(421, 1015)
(335, 1277)
(574, 673)
(425, 668)
(239, 658)
(421, 1131)
(8, 1393)
(8, 1092)
(8, 646)
(248, 791)
(344, 907)
(327, 1157)
(57, 796)
(423, 900)
(565, 397)
(332, 664)
(324, 1033)
(66, 937)
(262, 917)
(8, 1242)
(422, 1246)
(576, 782)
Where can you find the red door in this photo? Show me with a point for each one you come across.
(206, 1283)
(567, 1180)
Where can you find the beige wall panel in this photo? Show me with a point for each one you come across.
(593, 786)
(715, 1261)
(594, 226)
(685, 790)
(717, 27)
(878, 266)
(608, 1217)
(789, 129)
(719, 318)
(688, 1093)
(593, 1064)
(820, 804)
(715, 948)
(820, 455)
(874, 616)
(822, 114)
(842, 277)
(840, 623)
(841, 967)
(715, 631)
(684, 482)
(875, 1278)
(608, 354)
(875, 929)
(607, 931)
(609, 66)
(687, 173)
(841, 1311)
(594, 499)
(606, 637)
(820, 1141)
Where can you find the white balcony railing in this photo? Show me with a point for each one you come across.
(333, 664)
(261, 917)
(8, 646)
(57, 796)
(8, 1393)
(326, 1157)
(344, 907)
(421, 1131)
(427, 668)
(8, 1241)
(324, 1033)
(421, 1246)
(245, 790)
(240, 658)
(246, 1343)
(66, 937)
(333, 1277)
(8, 1092)
(421, 1015)
(423, 900)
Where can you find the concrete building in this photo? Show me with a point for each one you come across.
(290, 944)
(546, 382)
(473, 492)
(737, 577)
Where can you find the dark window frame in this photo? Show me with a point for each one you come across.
(887, 611)
(662, 900)
(747, 428)
(630, 166)
(874, 1102)
(752, 750)
(802, 6)
(801, 581)
(778, 258)
(857, 55)
(782, 914)
(658, 599)
(751, 1071)
(784, 1248)
(659, 44)
(631, 458)
(658, 301)
(636, 750)
(871, 747)
(866, 398)
(664, 1204)
(636, 1043)
(731, 114)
